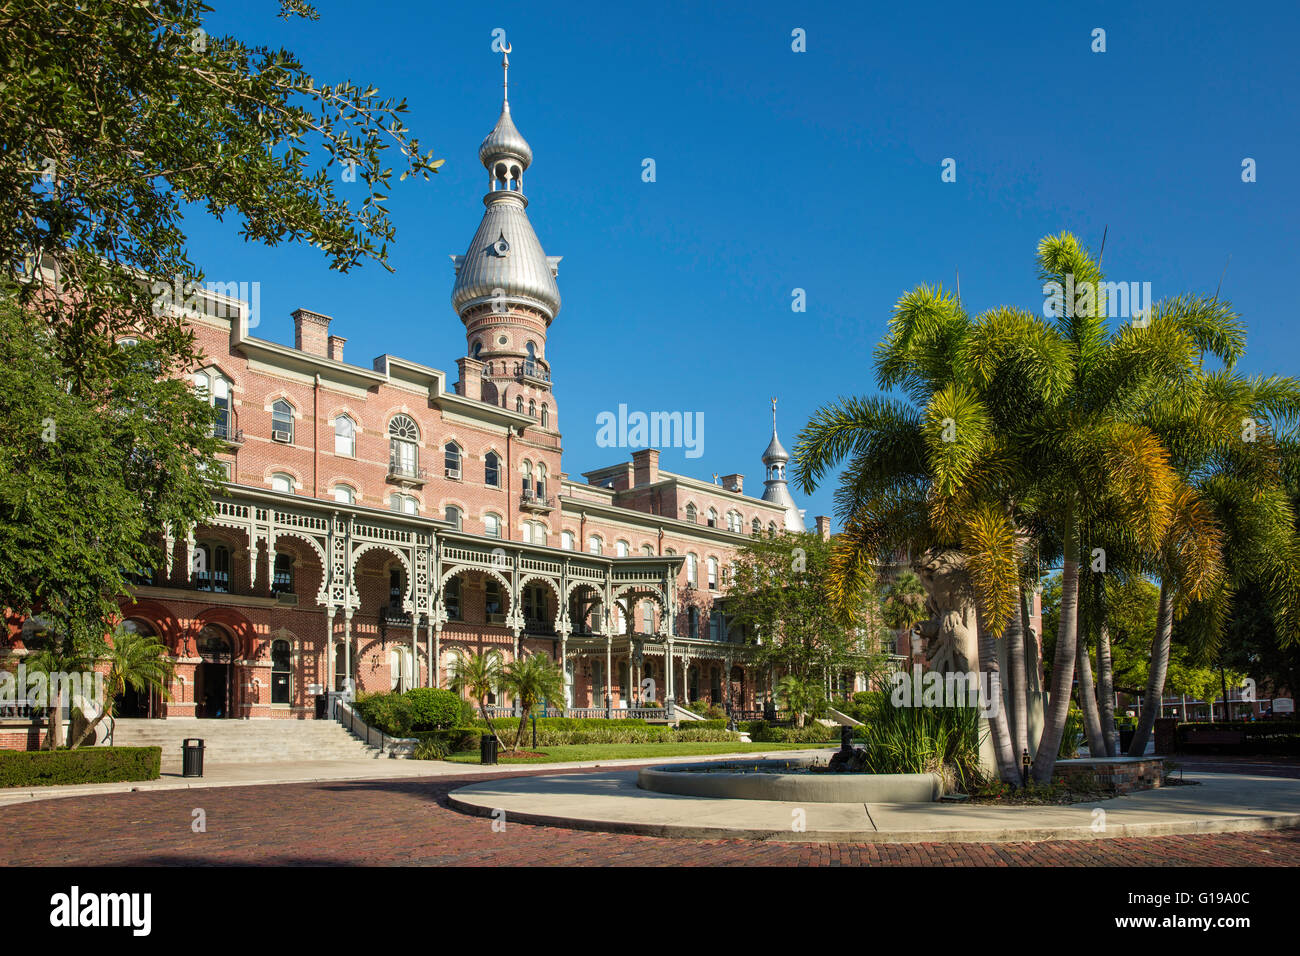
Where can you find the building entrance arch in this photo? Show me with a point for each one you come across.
(214, 675)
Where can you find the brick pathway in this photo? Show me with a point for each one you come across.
(408, 822)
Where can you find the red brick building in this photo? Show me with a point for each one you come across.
(377, 522)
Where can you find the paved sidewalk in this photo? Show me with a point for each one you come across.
(324, 771)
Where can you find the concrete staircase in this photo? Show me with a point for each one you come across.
(245, 741)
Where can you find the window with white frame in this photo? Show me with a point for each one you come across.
(492, 469)
(345, 436)
(713, 574)
(621, 549)
(648, 550)
(214, 388)
(344, 494)
(492, 525)
(406, 504)
(757, 526)
(541, 479)
(451, 459)
(690, 513)
(713, 517)
(595, 545)
(691, 578)
(647, 617)
(282, 421)
(528, 478)
(282, 483)
(566, 540)
(452, 515)
(403, 446)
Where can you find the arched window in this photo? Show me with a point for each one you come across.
(541, 479)
(451, 460)
(492, 526)
(282, 483)
(214, 388)
(713, 518)
(693, 622)
(690, 513)
(451, 599)
(282, 575)
(403, 450)
(716, 629)
(734, 522)
(532, 408)
(757, 526)
(478, 349)
(691, 569)
(566, 540)
(771, 526)
(281, 671)
(595, 545)
(546, 415)
(344, 495)
(648, 549)
(282, 421)
(451, 514)
(713, 574)
(621, 549)
(528, 478)
(405, 504)
(345, 436)
(519, 404)
(530, 363)
(647, 617)
(492, 469)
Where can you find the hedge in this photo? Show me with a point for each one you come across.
(41, 768)
(438, 709)
(466, 739)
(760, 731)
(565, 723)
(1260, 737)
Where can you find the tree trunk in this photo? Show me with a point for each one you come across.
(1067, 633)
(56, 719)
(523, 725)
(1157, 672)
(999, 734)
(1088, 701)
(482, 708)
(1018, 679)
(1106, 689)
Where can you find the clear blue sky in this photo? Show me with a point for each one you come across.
(817, 170)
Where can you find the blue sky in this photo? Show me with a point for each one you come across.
(779, 170)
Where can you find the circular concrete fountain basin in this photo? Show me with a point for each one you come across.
(789, 780)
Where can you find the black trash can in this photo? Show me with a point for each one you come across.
(192, 757)
(1126, 736)
(487, 749)
(322, 706)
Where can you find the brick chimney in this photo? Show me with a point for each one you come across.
(823, 527)
(733, 482)
(311, 332)
(336, 347)
(471, 378)
(645, 466)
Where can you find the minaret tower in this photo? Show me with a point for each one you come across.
(774, 487)
(505, 289)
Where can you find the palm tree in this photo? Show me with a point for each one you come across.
(478, 675)
(903, 602)
(139, 660)
(800, 696)
(531, 680)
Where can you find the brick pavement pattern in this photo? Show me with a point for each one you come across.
(408, 822)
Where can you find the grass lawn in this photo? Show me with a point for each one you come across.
(572, 753)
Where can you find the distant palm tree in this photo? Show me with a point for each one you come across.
(903, 602)
(136, 659)
(530, 680)
(799, 695)
(480, 675)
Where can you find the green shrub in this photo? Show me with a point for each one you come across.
(693, 733)
(392, 713)
(760, 731)
(565, 723)
(455, 739)
(40, 768)
(1069, 748)
(431, 750)
(924, 740)
(704, 725)
(436, 709)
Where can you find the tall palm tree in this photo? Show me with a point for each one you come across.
(478, 675)
(531, 680)
(902, 600)
(139, 660)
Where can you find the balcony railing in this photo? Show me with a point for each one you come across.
(531, 370)
(406, 471)
(534, 502)
(226, 431)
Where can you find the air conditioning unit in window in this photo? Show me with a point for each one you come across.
(453, 473)
(279, 434)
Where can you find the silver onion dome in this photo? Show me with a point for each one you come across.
(505, 264)
(775, 489)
